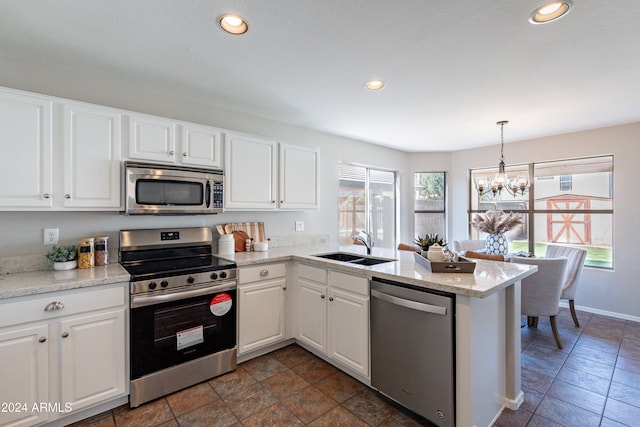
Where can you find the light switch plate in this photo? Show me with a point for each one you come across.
(299, 225)
(50, 236)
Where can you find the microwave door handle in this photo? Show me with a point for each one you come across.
(207, 195)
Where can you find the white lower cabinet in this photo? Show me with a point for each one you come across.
(261, 306)
(62, 352)
(333, 316)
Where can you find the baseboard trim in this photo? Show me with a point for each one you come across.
(622, 316)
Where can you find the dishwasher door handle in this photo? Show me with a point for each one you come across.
(427, 308)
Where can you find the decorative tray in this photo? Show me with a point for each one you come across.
(463, 265)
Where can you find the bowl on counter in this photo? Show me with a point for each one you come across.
(261, 246)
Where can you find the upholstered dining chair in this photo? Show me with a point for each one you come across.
(540, 292)
(575, 257)
(468, 245)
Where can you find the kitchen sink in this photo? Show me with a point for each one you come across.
(354, 258)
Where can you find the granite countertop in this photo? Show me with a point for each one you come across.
(40, 282)
(488, 278)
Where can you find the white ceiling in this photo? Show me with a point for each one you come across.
(452, 68)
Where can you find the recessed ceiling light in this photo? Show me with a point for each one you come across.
(374, 85)
(550, 12)
(233, 24)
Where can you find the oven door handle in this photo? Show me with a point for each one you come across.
(138, 301)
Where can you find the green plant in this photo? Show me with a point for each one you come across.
(62, 254)
(429, 240)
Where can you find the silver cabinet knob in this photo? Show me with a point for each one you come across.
(53, 306)
(67, 196)
(171, 152)
(42, 339)
(65, 334)
(322, 296)
(46, 196)
(284, 288)
(184, 154)
(264, 272)
(330, 298)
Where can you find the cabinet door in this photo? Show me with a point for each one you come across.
(201, 145)
(349, 330)
(92, 358)
(251, 174)
(312, 314)
(25, 140)
(24, 352)
(152, 138)
(91, 157)
(298, 187)
(261, 320)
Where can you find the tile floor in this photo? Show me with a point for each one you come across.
(593, 381)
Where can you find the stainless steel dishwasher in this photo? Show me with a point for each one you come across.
(412, 349)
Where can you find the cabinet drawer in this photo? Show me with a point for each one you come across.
(312, 273)
(28, 309)
(260, 272)
(348, 282)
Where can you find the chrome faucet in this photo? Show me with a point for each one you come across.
(366, 241)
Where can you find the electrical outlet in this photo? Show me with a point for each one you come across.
(50, 236)
(299, 225)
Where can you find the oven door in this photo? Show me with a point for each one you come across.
(169, 329)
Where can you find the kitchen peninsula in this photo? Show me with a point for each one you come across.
(487, 319)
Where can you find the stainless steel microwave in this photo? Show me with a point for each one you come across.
(154, 189)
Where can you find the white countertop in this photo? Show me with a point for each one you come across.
(39, 282)
(489, 276)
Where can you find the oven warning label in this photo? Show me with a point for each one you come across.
(220, 304)
(190, 337)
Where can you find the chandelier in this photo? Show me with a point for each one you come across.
(515, 186)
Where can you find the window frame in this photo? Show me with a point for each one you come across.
(443, 211)
(531, 212)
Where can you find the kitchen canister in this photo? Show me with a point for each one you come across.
(85, 253)
(226, 244)
(101, 251)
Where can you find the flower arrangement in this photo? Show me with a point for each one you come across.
(496, 222)
(428, 241)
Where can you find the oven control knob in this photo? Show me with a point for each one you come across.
(223, 275)
(214, 276)
(152, 285)
(190, 279)
(164, 283)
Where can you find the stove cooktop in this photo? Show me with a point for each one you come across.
(145, 270)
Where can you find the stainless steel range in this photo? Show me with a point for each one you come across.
(183, 310)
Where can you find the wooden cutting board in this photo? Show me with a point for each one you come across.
(254, 230)
(240, 240)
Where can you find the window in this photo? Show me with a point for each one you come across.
(367, 202)
(570, 202)
(429, 203)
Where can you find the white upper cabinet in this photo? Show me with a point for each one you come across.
(91, 168)
(158, 139)
(298, 187)
(201, 145)
(152, 138)
(251, 172)
(27, 148)
(264, 175)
